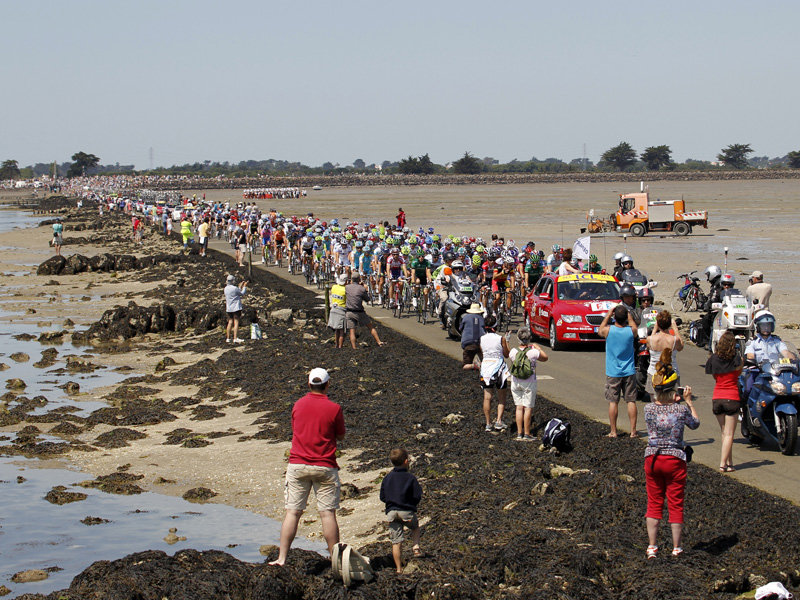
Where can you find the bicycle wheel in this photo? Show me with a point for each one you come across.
(675, 301)
(690, 300)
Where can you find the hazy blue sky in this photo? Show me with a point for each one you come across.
(336, 81)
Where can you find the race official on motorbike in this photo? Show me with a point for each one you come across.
(618, 264)
(764, 347)
(646, 298)
(713, 275)
(627, 293)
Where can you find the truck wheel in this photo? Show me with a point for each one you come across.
(682, 228)
(638, 230)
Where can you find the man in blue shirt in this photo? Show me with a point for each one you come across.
(472, 328)
(620, 365)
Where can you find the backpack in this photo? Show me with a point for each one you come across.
(350, 566)
(557, 434)
(522, 368)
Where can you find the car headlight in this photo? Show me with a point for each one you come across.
(571, 318)
(740, 320)
(777, 387)
(796, 387)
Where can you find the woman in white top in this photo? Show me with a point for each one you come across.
(494, 373)
(523, 391)
(565, 268)
(665, 335)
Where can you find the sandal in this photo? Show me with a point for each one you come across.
(652, 552)
(729, 469)
(677, 551)
(418, 553)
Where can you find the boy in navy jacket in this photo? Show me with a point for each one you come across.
(401, 493)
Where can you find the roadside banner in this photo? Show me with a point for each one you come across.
(580, 249)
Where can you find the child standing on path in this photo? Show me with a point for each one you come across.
(401, 493)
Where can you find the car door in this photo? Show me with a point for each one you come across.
(544, 301)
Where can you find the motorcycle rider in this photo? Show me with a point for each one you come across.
(713, 275)
(646, 298)
(618, 264)
(627, 293)
(764, 347)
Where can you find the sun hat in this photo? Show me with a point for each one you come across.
(475, 309)
(231, 279)
(318, 376)
(341, 279)
(756, 275)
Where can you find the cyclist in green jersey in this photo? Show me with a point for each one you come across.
(593, 266)
(421, 273)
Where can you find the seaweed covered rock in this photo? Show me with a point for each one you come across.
(77, 263)
(102, 262)
(52, 266)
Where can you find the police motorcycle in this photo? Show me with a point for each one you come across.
(460, 297)
(733, 313)
(633, 276)
(769, 410)
(642, 355)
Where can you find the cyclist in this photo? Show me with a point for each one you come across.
(502, 279)
(554, 259)
(307, 250)
(593, 266)
(341, 254)
(279, 243)
(421, 273)
(396, 268)
(441, 278)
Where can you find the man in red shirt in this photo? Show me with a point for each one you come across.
(317, 424)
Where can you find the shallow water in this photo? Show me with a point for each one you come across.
(35, 534)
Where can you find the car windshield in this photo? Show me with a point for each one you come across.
(588, 290)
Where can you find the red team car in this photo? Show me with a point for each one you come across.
(570, 308)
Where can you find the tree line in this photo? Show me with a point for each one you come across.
(621, 157)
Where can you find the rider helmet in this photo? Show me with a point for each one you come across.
(434, 251)
(406, 250)
(618, 256)
(627, 290)
(395, 251)
(626, 260)
(556, 248)
(457, 264)
(476, 260)
(727, 280)
(593, 258)
(712, 273)
(348, 236)
(509, 260)
(420, 252)
(646, 293)
(359, 244)
(764, 322)
(449, 256)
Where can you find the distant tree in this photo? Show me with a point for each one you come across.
(489, 161)
(328, 166)
(656, 157)
(467, 164)
(9, 169)
(620, 156)
(426, 166)
(359, 163)
(735, 155)
(409, 166)
(794, 159)
(82, 164)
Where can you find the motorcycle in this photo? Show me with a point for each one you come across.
(642, 357)
(460, 297)
(637, 279)
(734, 313)
(769, 411)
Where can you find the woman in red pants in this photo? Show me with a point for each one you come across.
(665, 457)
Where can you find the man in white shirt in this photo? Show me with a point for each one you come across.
(758, 292)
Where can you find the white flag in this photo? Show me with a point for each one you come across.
(580, 249)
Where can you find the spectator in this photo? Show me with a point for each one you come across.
(494, 374)
(58, 236)
(337, 319)
(725, 365)
(202, 233)
(401, 218)
(317, 424)
(758, 292)
(186, 231)
(665, 335)
(233, 306)
(401, 493)
(355, 294)
(620, 366)
(523, 391)
(665, 455)
(472, 328)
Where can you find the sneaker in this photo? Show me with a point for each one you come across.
(228, 340)
(489, 428)
(237, 340)
(677, 551)
(414, 302)
(263, 262)
(652, 552)
(519, 438)
(529, 438)
(500, 426)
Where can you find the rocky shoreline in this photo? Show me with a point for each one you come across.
(505, 520)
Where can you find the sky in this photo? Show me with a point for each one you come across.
(319, 82)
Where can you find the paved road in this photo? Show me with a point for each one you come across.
(575, 378)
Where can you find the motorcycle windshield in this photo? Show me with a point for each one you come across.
(634, 277)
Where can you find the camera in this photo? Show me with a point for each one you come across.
(679, 392)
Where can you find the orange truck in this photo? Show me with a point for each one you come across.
(638, 214)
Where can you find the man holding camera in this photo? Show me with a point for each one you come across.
(620, 365)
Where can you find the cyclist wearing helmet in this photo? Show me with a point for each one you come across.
(627, 293)
(441, 278)
(554, 259)
(532, 267)
(396, 267)
(502, 280)
(341, 254)
(421, 273)
(593, 266)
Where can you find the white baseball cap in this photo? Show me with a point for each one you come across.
(318, 376)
